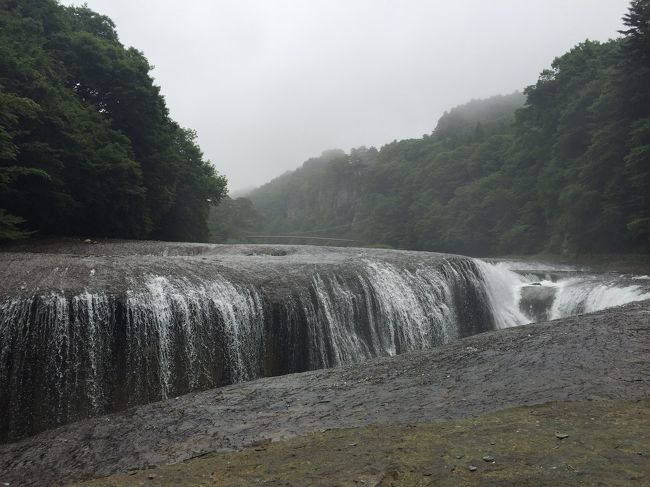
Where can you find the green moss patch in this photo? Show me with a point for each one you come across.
(569, 443)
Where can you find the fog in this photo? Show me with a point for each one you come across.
(268, 84)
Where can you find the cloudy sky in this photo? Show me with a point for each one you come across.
(270, 83)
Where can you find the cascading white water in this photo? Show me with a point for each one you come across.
(390, 311)
(588, 294)
(503, 287)
(415, 307)
(194, 320)
(569, 296)
(66, 339)
(66, 356)
(91, 318)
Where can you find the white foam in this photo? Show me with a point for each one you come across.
(573, 295)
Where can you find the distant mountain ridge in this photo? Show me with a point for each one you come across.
(329, 193)
(562, 167)
(496, 111)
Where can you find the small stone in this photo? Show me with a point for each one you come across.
(151, 476)
(262, 443)
(561, 436)
(459, 456)
(472, 468)
(488, 458)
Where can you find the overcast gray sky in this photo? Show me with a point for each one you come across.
(270, 83)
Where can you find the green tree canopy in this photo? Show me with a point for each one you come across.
(565, 167)
(87, 146)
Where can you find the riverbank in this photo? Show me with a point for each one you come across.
(600, 356)
(559, 443)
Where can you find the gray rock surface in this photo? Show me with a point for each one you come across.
(72, 264)
(604, 355)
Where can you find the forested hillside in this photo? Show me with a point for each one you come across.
(87, 146)
(567, 172)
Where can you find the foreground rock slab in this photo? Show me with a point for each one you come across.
(605, 355)
(609, 445)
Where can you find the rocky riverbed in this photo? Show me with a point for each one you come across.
(600, 356)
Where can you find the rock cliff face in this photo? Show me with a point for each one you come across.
(87, 329)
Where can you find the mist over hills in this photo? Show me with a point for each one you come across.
(89, 148)
(562, 167)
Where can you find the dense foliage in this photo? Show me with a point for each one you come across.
(569, 172)
(233, 220)
(87, 146)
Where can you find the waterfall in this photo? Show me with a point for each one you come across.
(67, 354)
(540, 292)
(588, 294)
(385, 310)
(503, 287)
